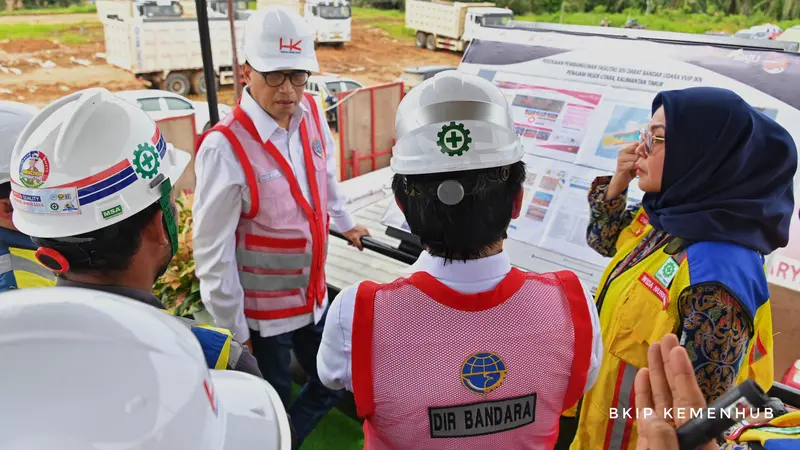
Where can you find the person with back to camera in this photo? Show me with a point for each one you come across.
(718, 177)
(467, 351)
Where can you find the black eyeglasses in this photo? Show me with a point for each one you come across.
(297, 78)
(646, 136)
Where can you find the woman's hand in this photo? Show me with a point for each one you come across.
(625, 172)
(666, 386)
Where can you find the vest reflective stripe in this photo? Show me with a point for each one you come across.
(282, 239)
(28, 272)
(640, 306)
(618, 432)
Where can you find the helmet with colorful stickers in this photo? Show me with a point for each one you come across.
(13, 118)
(110, 372)
(88, 161)
(453, 122)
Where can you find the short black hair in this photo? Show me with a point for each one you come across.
(5, 190)
(107, 250)
(468, 229)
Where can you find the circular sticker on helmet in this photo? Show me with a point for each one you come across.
(34, 169)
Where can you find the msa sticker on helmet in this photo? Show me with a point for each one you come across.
(454, 139)
(50, 201)
(112, 212)
(290, 46)
(34, 169)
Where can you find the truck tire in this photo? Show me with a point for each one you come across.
(199, 83)
(422, 39)
(178, 83)
(430, 43)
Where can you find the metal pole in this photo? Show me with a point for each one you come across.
(208, 63)
(237, 83)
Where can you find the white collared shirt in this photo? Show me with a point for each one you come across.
(468, 277)
(221, 194)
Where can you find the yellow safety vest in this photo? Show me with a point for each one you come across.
(780, 433)
(634, 230)
(640, 306)
(26, 270)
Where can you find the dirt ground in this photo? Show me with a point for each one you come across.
(49, 68)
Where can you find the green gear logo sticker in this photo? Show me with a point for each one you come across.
(454, 139)
(145, 160)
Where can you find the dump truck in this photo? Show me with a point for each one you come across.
(330, 19)
(159, 41)
(451, 25)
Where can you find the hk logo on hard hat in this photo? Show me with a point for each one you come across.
(290, 46)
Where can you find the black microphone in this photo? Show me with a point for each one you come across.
(733, 407)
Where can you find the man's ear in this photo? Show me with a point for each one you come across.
(6, 209)
(155, 231)
(247, 71)
(517, 203)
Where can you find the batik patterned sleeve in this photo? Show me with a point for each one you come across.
(716, 333)
(607, 218)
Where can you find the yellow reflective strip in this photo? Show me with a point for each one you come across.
(225, 353)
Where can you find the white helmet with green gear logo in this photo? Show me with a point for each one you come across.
(90, 160)
(454, 122)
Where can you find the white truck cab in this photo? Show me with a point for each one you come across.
(483, 17)
(331, 20)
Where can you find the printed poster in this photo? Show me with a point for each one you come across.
(552, 118)
(543, 184)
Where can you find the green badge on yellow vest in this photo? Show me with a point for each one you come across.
(667, 272)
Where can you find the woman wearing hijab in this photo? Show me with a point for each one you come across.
(717, 176)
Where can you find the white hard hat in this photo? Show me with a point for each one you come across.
(454, 122)
(88, 161)
(278, 38)
(13, 118)
(90, 370)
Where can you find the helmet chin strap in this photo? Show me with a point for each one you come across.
(168, 211)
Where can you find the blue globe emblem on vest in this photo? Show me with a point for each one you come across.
(317, 146)
(483, 372)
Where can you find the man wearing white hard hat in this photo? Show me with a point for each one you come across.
(18, 265)
(99, 206)
(96, 370)
(467, 351)
(266, 191)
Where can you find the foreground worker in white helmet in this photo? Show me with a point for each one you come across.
(100, 205)
(266, 190)
(95, 370)
(466, 352)
(18, 265)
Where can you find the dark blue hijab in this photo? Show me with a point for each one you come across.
(728, 171)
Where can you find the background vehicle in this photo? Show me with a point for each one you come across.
(327, 86)
(451, 25)
(163, 104)
(158, 44)
(330, 19)
(413, 76)
(750, 34)
(790, 35)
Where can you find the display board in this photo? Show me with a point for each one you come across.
(578, 99)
